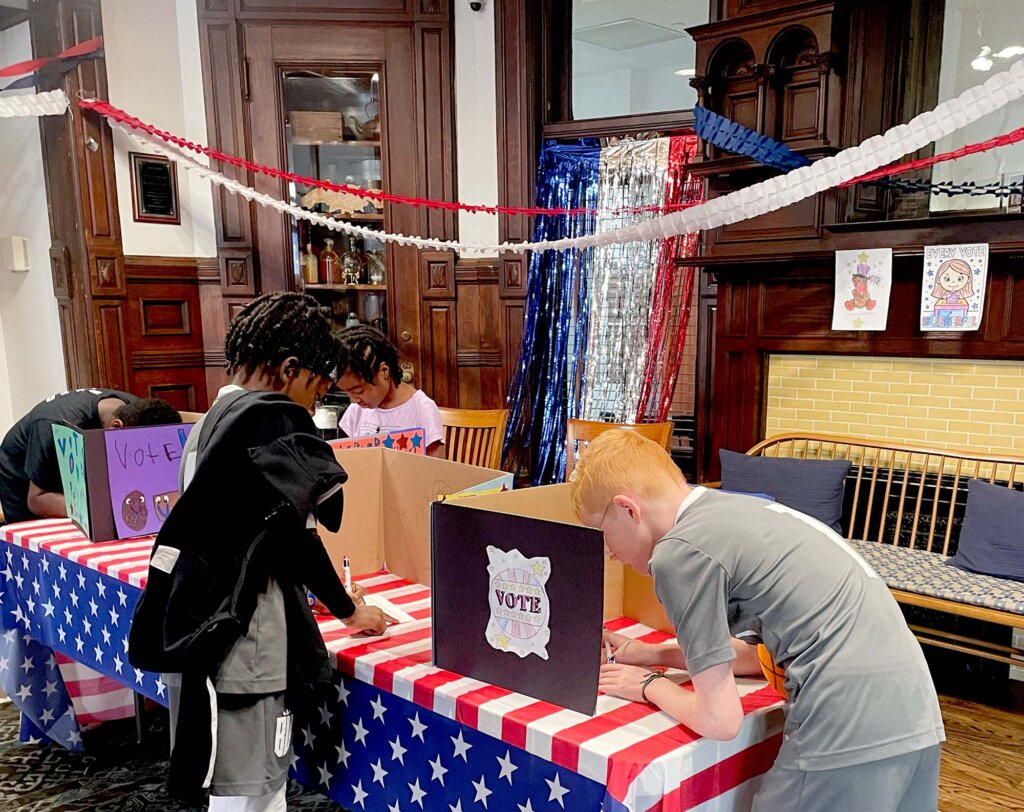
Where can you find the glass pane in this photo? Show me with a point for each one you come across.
(333, 132)
(980, 37)
(631, 58)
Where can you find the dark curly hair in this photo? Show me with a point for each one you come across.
(147, 412)
(276, 326)
(364, 350)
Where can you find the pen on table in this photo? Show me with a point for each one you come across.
(609, 657)
(347, 573)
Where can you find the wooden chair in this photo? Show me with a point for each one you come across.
(474, 436)
(583, 431)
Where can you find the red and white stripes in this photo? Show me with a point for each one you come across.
(645, 759)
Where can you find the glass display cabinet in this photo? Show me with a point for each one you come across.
(332, 121)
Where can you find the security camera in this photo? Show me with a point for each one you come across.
(476, 5)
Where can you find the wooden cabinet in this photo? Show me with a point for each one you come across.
(299, 87)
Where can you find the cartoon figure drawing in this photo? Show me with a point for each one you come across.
(952, 292)
(162, 504)
(861, 295)
(134, 510)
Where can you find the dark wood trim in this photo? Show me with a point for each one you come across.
(621, 125)
(479, 358)
(10, 17)
(476, 272)
(214, 358)
(166, 359)
(176, 270)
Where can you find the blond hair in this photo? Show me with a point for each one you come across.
(621, 462)
(960, 266)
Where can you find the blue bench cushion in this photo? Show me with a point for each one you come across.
(814, 487)
(990, 539)
(927, 574)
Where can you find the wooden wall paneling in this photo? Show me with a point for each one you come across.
(519, 129)
(435, 124)
(87, 264)
(438, 371)
(481, 356)
(707, 317)
(109, 324)
(164, 328)
(225, 92)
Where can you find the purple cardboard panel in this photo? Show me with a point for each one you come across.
(142, 474)
(540, 632)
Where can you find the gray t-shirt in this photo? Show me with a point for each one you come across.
(858, 683)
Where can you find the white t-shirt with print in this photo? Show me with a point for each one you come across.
(417, 412)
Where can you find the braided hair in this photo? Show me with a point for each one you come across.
(365, 349)
(278, 325)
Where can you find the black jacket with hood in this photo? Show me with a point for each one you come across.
(262, 472)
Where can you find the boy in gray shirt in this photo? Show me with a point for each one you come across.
(863, 724)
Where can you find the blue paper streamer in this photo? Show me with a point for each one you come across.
(538, 398)
(733, 137)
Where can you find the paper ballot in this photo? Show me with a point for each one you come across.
(389, 609)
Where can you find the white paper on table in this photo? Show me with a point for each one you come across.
(389, 609)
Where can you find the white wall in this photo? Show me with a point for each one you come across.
(476, 129)
(154, 72)
(31, 355)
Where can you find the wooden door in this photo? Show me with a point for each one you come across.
(272, 50)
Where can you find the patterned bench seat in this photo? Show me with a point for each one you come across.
(924, 573)
(903, 507)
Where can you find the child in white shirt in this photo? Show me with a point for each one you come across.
(381, 402)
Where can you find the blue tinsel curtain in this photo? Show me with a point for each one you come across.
(541, 392)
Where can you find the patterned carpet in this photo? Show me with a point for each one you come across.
(114, 774)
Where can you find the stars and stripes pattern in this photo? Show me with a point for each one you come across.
(363, 745)
(73, 599)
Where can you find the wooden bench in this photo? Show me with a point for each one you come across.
(903, 508)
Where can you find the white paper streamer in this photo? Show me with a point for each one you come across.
(769, 195)
(51, 103)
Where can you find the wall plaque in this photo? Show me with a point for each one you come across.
(154, 189)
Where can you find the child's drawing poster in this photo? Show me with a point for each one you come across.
(142, 468)
(71, 461)
(953, 292)
(863, 282)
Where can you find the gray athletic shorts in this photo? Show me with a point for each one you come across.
(254, 741)
(906, 783)
(254, 744)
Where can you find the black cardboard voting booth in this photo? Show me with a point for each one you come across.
(574, 591)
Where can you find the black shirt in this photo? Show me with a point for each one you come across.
(28, 453)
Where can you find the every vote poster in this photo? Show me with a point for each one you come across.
(71, 460)
(142, 469)
(953, 291)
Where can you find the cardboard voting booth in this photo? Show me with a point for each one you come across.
(120, 483)
(387, 508)
(520, 590)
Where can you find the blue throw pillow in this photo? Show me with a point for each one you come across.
(990, 538)
(814, 487)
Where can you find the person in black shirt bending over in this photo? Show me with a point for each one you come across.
(30, 486)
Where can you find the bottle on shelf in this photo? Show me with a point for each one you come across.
(353, 263)
(310, 266)
(330, 264)
(352, 320)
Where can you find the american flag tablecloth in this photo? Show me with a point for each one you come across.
(396, 732)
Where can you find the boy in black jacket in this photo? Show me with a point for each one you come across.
(225, 604)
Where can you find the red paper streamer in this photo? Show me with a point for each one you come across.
(670, 305)
(106, 109)
(921, 163)
(32, 65)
